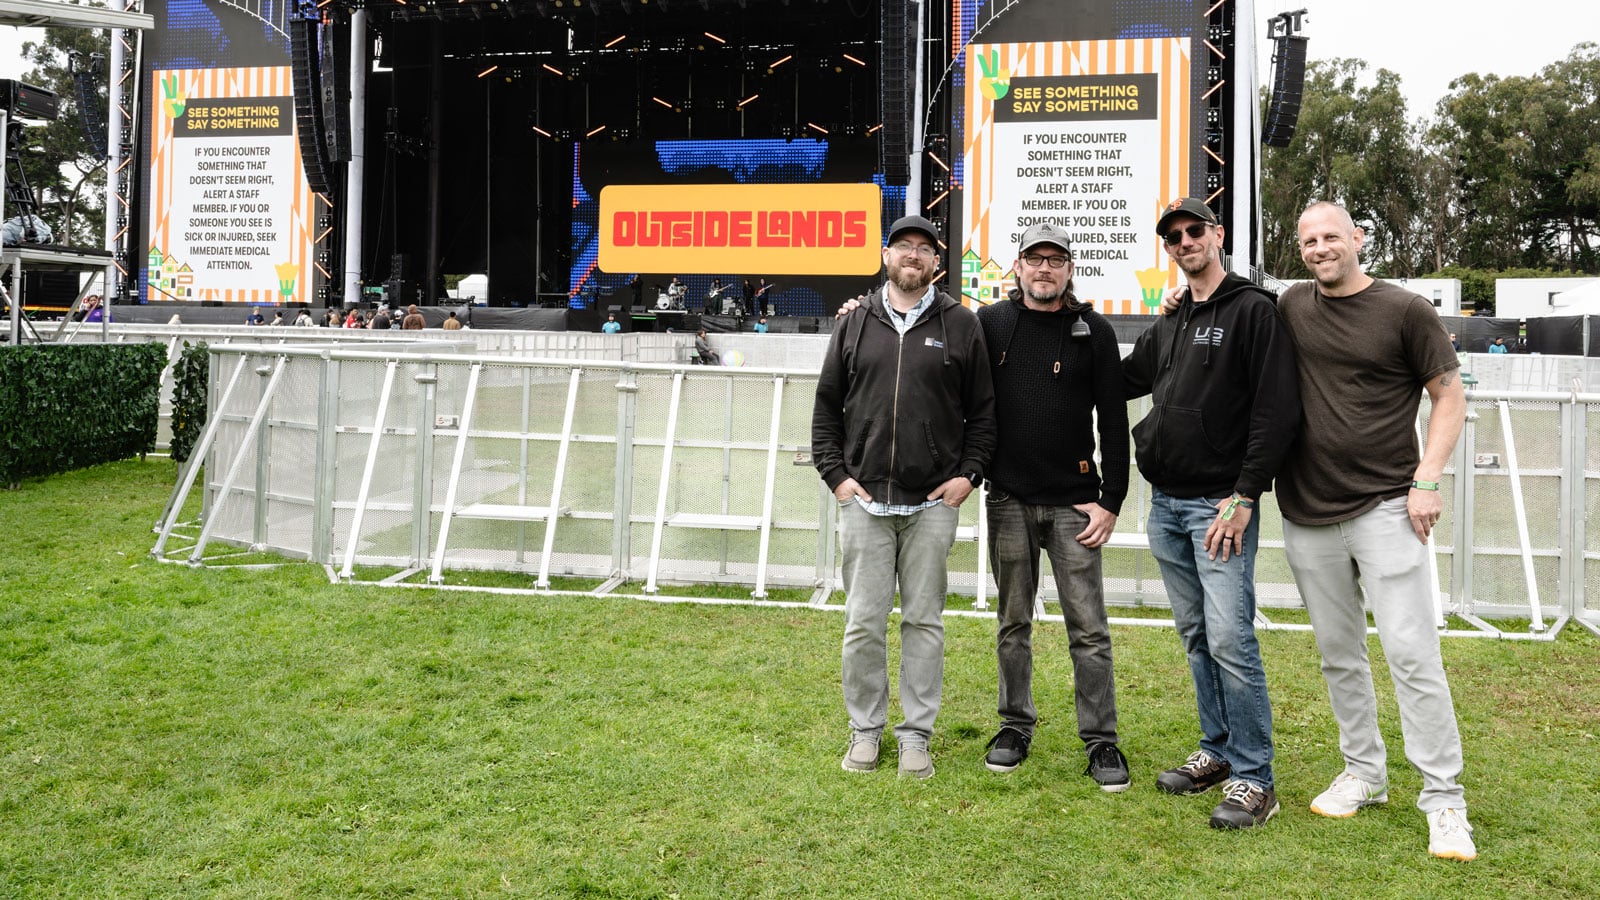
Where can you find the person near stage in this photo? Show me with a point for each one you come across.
(611, 326)
(1359, 502)
(1057, 380)
(761, 325)
(713, 303)
(762, 299)
(93, 310)
(277, 318)
(748, 291)
(353, 319)
(910, 362)
(1225, 408)
(304, 319)
(413, 320)
(676, 292)
(1499, 346)
(702, 347)
(452, 322)
(332, 319)
(380, 320)
(176, 319)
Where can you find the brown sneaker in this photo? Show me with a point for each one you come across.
(1245, 806)
(1199, 773)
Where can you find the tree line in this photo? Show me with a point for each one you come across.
(1502, 180)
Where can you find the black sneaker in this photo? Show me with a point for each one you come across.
(1199, 773)
(1108, 767)
(1245, 806)
(1007, 750)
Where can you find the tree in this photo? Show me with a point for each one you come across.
(1355, 145)
(64, 169)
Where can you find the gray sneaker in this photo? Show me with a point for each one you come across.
(862, 755)
(916, 761)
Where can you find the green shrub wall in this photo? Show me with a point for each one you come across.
(70, 406)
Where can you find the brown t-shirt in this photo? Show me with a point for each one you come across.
(1363, 362)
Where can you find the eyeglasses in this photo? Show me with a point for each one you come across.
(1194, 230)
(1039, 259)
(918, 249)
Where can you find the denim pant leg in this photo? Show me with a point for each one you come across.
(1014, 558)
(1213, 605)
(1083, 607)
(868, 544)
(923, 566)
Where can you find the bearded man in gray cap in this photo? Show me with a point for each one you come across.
(902, 431)
(1057, 372)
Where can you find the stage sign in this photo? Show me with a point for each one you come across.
(1090, 135)
(788, 229)
(230, 211)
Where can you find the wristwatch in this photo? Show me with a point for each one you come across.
(974, 477)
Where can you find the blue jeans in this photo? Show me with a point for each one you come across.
(1214, 606)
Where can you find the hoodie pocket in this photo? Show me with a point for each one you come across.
(859, 448)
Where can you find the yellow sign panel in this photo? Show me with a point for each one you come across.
(780, 229)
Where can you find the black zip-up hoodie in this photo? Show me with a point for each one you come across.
(1226, 394)
(904, 414)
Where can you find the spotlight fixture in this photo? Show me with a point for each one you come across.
(594, 131)
(747, 100)
(776, 63)
(615, 41)
(858, 62)
(715, 38)
(662, 102)
(817, 128)
(552, 69)
(487, 71)
(541, 131)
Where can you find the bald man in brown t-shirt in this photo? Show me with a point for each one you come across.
(1359, 502)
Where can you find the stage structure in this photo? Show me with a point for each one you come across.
(499, 136)
(1096, 116)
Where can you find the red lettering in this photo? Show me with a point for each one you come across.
(772, 228)
(739, 229)
(855, 228)
(805, 228)
(623, 225)
(830, 227)
(716, 230)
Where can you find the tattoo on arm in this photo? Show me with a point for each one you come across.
(1446, 378)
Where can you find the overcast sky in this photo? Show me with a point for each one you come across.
(1428, 42)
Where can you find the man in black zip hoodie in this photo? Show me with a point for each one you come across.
(1225, 408)
(902, 431)
(1057, 373)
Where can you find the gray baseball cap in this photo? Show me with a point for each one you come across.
(913, 223)
(1044, 233)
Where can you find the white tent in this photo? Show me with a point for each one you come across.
(1583, 300)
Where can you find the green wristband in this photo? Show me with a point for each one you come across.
(1425, 485)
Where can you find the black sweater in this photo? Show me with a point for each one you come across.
(1046, 413)
(903, 415)
(1226, 394)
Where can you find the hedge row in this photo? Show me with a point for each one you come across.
(65, 407)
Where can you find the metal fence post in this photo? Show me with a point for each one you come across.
(622, 485)
(422, 484)
(322, 522)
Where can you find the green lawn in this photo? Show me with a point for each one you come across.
(247, 733)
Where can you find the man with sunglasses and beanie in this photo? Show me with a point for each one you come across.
(1225, 408)
(902, 431)
(1057, 374)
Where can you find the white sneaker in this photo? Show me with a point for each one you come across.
(1450, 835)
(1346, 795)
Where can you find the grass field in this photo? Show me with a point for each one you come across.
(166, 731)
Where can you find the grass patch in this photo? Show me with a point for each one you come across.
(166, 731)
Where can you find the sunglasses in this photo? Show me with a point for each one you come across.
(1194, 230)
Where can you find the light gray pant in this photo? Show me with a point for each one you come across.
(1379, 552)
(877, 549)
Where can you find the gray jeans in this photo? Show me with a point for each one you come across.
(1380, 548)
(878, 551)
(1017, 532)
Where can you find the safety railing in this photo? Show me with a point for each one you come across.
(421, 460)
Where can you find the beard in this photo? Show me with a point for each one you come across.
(911, 281)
